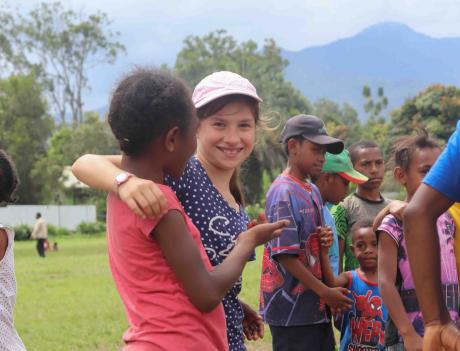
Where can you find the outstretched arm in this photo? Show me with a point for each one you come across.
(329, 278)
(325, 236)
(207, 289)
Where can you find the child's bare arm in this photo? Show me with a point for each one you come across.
(3, 243)
(142, 196)
(341, 253)
(387, 268)
(329, 278)
(98, 171)
(423, 246)
(207, 289)
(334, 297)
(326, 239)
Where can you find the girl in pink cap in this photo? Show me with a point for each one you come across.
(227, 107)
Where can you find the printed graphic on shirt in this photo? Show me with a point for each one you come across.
(445, 228)
(363, 326)
(366, 325)
(284, 300)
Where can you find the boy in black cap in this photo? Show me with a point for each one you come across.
(293, 297)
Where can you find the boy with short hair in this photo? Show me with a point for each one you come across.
(333, 183)
(293, 297)
(363, 326)
(365, 202)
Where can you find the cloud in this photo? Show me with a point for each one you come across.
(153, 30)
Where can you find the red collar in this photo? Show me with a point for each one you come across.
(305, 185)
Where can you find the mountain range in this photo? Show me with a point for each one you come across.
(391, 55)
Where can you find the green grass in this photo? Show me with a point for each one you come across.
(68, 301)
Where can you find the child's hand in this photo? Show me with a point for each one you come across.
(336, 298)
(143, 197)
(260, 220)
(396, 208)
(253, 325)
(325, 237)
(262, 233)
(441, 337)
(413, 341)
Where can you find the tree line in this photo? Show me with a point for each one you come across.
(47, 54)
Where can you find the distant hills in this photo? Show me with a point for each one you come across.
(389, 54)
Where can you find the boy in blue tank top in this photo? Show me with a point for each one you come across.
(363, 327)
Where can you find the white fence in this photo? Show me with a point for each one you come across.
(66, 216)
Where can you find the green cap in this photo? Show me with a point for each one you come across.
(341, 164)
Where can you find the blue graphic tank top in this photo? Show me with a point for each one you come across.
(363, 326)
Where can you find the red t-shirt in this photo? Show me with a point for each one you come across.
(157, 307)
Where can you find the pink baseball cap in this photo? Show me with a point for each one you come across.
(220, 84)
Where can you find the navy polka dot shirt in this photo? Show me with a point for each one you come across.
(219, 225)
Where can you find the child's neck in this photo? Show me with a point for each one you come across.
(294, 171)
(369, 194)
(220, 178)
(370, 274)
(143, 167)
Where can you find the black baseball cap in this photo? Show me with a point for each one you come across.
(311, 128)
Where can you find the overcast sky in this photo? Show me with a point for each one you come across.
(153, 30)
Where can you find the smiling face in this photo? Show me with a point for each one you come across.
(226, 138)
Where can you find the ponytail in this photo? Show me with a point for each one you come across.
(236, 188)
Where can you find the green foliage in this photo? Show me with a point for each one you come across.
(264, 67)
(437, 109)
(24, 129)
(58, 231)
(254, 210)
(341, 121)
(22, 232)
(59, 45)
(65, 146)
(91, 228)
(374, 108)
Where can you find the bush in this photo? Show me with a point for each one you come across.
(22, 232)
(254, 211)
(91, 228)
(57, 231)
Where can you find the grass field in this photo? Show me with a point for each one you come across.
(68, 301)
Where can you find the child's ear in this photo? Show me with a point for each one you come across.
(292, 146)
(171, 139)
(400, 175)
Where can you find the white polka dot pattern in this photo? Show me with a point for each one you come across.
(219, 226)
